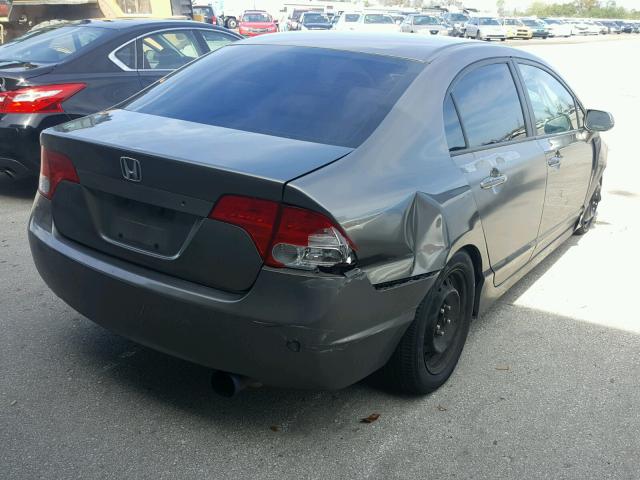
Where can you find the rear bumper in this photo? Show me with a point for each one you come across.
(20, 142)
(292, 329)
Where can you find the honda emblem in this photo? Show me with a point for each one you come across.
(131, 169)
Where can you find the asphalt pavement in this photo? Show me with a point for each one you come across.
(547, 386)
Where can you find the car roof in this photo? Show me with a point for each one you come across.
(126, 23)
(412, 47)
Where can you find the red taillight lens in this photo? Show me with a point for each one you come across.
(303, 239)
(257, 217)
(41, 99)
(54, 168)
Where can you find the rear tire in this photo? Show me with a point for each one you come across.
(430, 348)
(478, 37)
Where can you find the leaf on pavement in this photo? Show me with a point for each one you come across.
(371, 418)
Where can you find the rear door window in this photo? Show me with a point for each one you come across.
(168, 50)
(553, 106)
(51, 44)
(126, 56)
(489, 106)
(452, 126)
(215, 39)
(313, 94)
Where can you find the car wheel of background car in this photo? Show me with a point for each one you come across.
(502, 39)
(430, 348)
(232, 23)
(592, 211)
(477, 34)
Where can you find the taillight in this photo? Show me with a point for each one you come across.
(40, 99)
(287, 236)
(257, 217)
(54, 168)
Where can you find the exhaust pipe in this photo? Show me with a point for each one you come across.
(229, 384)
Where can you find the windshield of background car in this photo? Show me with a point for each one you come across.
(425, 20)
(489, 21)
(351, 17)
(256, 18)
(283, 91)
(375, 18)
(314, 18)
(531, 23)
(458, 17)
(206, 11)
(50, 45)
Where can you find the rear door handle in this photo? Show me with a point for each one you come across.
(496, 178)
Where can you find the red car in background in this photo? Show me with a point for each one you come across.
(256, 22)
(4, 8)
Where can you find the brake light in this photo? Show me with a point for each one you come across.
(257, 217)
(55, 168)
(40, 99)
(287, 236)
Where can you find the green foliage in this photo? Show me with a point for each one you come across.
(581, 9)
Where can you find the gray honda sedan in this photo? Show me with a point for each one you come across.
(306, 209)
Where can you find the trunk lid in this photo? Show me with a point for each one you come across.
(158, 219)
(14, 73)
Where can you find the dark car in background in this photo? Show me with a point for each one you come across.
(206, 12)
(271, 234)
(69, 70)
(314, 21)
(457, 22)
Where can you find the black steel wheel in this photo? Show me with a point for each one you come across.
(591, 211)
(430, 348)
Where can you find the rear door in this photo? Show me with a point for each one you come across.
(568, 151)
(502, 163)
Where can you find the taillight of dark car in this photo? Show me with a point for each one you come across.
(38, 99)
(55, 168)
(287, 236)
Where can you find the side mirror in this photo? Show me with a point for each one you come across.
(599, 121)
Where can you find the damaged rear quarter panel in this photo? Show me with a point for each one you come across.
(399, 196)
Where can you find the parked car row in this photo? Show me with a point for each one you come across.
(455, 24)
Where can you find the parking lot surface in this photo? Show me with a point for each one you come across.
(547, 386)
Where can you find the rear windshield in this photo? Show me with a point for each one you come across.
(313, 94)
(51, 44)
(256, 17)
(351, 17)
(425, 20)
(314, 18)
(489, 21)
(458, 17)
(375, 18)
